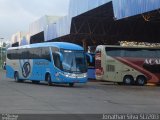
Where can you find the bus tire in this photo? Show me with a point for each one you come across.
(35, 82)
(120, 83)
(16, 77)
(141, 81)
(48, 79)
(71, 84)
(128, 80)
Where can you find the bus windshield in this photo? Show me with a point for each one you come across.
(74, 61)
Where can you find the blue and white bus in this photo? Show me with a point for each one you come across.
(53, 62)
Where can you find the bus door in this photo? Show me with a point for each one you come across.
(57, 58)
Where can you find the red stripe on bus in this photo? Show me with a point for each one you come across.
(152, 77)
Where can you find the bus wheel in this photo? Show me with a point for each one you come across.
(16, 77)
(35, 82)
(120, 83)
(128, 80)
(71, 84)
(141, 80)
(48, 79)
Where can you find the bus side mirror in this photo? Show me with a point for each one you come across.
(60, 56)
(89, 57)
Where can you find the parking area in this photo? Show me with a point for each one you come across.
(91, 98)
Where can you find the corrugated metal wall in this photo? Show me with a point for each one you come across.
(21, 37)
(122, 8)
(41, 24)
(61, 27)
(80, 6)
(57, 29)
(127, 8)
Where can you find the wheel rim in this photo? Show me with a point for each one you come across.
(49, 80)
(16, 77)
(141, 82)
(128, 81)
(71, 84)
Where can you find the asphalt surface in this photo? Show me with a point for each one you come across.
(90, 98)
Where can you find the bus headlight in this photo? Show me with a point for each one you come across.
(67, 74)
(71, 75)
(85, 74)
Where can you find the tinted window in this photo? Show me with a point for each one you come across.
(133, 52)
(12, 54)
(91, 64)
(29, 53)
(46, 54)
(74, 61)
(57, 61)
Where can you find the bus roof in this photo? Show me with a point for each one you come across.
(63, 45)
(118, 46)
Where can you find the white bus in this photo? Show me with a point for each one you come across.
(128, 65)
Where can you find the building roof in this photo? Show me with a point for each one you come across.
(105, 22)
(63, 45)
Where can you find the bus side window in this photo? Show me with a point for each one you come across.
(46, 54)
(9, 54)
(57, 61)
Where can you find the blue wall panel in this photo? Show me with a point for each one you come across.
(78, 7)
(127, 8)
(122, 9)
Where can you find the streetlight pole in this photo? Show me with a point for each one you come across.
(1, 48)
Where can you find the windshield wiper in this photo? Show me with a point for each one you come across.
(71, 65)
(65, 70)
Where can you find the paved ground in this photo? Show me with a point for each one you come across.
(94, 97)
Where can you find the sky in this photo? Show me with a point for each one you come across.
(16, 15)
